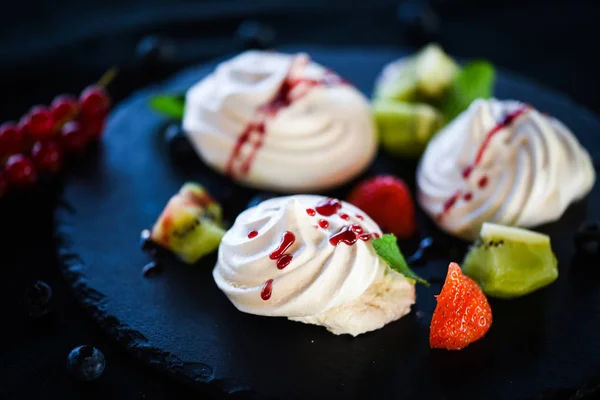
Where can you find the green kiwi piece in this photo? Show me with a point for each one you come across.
(405, 128)
(435, 71)
(400, 81)
(190, 226)
(509, 262)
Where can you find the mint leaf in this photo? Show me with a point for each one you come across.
(169, 105)
(387, 248)
(475, 80)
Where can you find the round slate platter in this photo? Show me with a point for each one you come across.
(181, 323)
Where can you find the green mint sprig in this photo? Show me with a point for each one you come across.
(169, 105)
(475, 80)
(387, 248)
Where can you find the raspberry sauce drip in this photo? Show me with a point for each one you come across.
(466, 173)
(292, 88)
(284, 261)
(267, 290)
(360, 217)
(286, 241)
(349, 234)
(483, 181)
(311, 212)
(344, 217)
(323, 223)
(328, 207)
(252, 234)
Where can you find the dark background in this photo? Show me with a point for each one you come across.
(51, 47)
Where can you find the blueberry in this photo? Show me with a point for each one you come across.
(152, 269)
(419, 257)
(259, 198)
(146, 243)
(86, 363)
(419, 20)
(38, 299)
(178, 143)
(587, 238)
(154, 50)
(255, 35)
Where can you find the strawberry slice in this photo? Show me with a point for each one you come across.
(462, 315)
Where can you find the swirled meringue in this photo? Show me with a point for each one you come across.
(280, 122)
(280, 259)
(502, 162)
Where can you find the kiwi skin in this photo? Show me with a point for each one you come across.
(505, 268)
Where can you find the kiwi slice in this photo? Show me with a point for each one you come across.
(405, 128)
(435, 71)
(509, 262)
(190, 226)
(399, 81)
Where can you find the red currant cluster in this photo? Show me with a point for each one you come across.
(45, 135)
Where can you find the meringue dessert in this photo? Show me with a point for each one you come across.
(310, 258)
(502, 162)
(280, 122)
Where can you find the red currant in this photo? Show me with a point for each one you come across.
(95, 102)
(20, 171)
(3, 184)
(73, 137)
(11, 139)
(94, 127)
(47, 156)
(39, 124)
(64, 108)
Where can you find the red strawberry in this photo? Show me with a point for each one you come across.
(462, 315)
(388, 201)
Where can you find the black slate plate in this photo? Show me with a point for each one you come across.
(181, 323)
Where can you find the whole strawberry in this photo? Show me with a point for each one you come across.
(388, 201)
(462, 315)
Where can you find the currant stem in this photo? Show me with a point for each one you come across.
(108, 77)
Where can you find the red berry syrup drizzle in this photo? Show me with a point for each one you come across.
(466, 173)
(282, 261)
(348, 234)
(293, 87)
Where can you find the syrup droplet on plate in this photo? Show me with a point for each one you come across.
(344, 217)
(323, 224)
(311, 212)
(252, 234)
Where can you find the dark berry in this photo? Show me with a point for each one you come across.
(39, 124)
(86, 363)
(259, 198)
(587, 238)
(152, 269)
(420, 256)
(254, 35)
(178, 143)
(3, 184)
(38, 299)
(20, 171)
(11, 139)
(419, 20)
(64, 108)
(73, 138)
(95, 103)
(47, 156)
(154, 50)
(146, 244)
